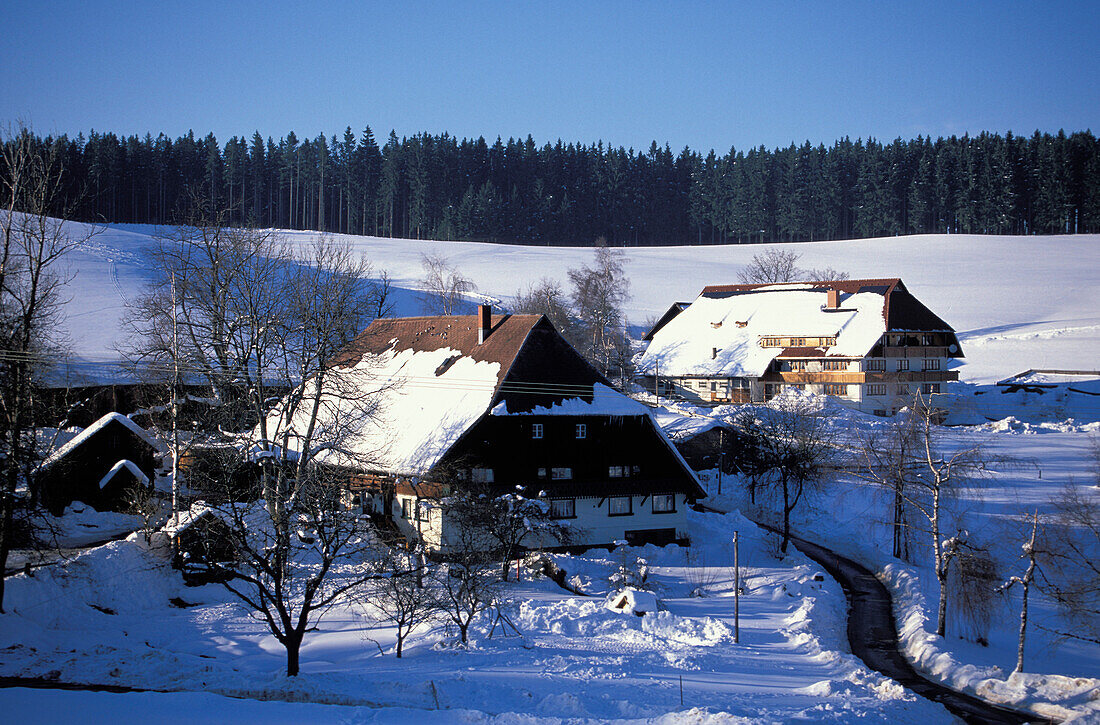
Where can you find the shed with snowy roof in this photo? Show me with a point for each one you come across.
(868, 342)
(503, 403)
(100, 466)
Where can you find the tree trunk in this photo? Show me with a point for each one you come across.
(293, 644)
(1023, 629)
(786, 517)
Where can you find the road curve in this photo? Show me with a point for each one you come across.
(873, 636)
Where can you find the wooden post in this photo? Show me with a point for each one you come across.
(736, 590)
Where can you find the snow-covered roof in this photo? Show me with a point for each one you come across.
(420, 412)
(129, 466)
(92, 430)
(720, 333)
(423, 380)
(1051, 377)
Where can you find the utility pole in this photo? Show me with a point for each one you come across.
(175, 409)
(736, 590)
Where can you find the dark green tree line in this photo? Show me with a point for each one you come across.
(440, 187)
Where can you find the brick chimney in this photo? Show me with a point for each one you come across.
(484, 322)
(833, 300)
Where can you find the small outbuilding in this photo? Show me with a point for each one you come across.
(100, 466)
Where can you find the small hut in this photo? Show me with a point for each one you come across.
(101, 466)
(201, 541)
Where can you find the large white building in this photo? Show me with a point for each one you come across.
(868, 342)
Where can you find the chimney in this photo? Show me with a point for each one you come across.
(833, 301)
(713, 353)
(484, 322)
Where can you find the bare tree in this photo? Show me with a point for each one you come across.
(505, 523)
(888, 459)
(259, 324)
(34, 239)
(598, 295)
(397, 597)
(823, 274)
(444, 286)
(468, 582)
(546, 297)
(1031, 555)
(1070, 570)
(774, 265)
(794, 443)
(941, 474)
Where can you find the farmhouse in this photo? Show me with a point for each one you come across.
(868, 342)
(504, 403)
(100, 466)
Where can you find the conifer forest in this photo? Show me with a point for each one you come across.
(439, 187)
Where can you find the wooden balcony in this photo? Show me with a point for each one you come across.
(909, 351)
(859, 378)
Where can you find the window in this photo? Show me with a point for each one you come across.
(903, 389)
(423, 512)
(664, 503)
(702, 384)
(836, 364)
(769, 342)
(481, 475)
(876, 388)
(796, 386)
(926, 340)
(563, 508)
(836, 389)
(407, 508)
(582, 430)
(930, 363)
(620, 506)
(829, 341)
(798, 365)
(561, 474)
(875, 364)
(536, 431)
(798, 342)
(903, 364)
(542, 473)
(931, 388)
(713, 386)
(615, 471)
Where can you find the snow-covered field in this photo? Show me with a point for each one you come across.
(1038, 459)
(108, 618)
(1016, 302)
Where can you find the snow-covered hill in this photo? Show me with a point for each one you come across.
(1016, 302)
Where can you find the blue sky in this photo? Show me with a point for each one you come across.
(702, 74)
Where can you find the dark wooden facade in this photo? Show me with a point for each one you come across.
(75, 475)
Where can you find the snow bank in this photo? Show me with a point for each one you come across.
(1069, 699)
